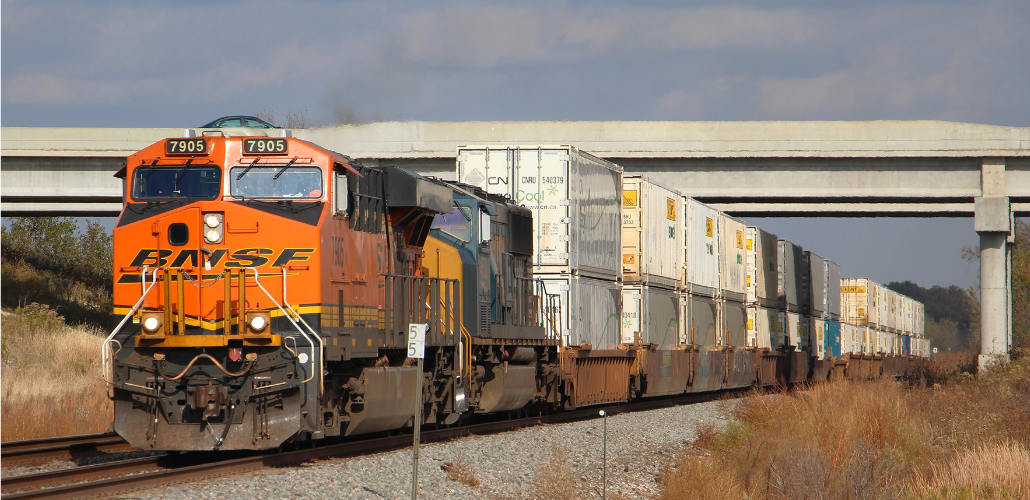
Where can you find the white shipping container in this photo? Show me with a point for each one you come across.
(789, 275)
(815, 284)
(701, 240)
(651, 239)
(700, 318)
(764, 329)
(797, 329)
(575, 198)
(760, 255)
(850, 342)
(920, 328)
(591, 310)
(651, 313)
(833, 278)
(732, 268)
(857, 297)
(883, 308)
(734, 323)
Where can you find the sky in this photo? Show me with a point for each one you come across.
(182, 64)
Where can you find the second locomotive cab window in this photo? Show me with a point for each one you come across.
(457, 223)
(169, 183)
(276, 181)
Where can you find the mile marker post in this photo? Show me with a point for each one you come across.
(417, 350)
(604, 456)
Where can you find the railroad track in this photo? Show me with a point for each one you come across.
(158, 471)
(34, 451)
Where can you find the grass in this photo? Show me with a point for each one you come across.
(460, 470)
(79, 303)
(851, 440)
(553, 480)
(51, 382)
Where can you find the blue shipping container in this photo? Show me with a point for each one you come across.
(906, 345)
(832, 338)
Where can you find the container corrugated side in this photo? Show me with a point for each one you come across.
(763, 328)
(734, 323)
(832, 276)
(732, 268)
(814, 278)
(651, 313)
(591, 310)
(760, 252)
(883, 310)
(701, 242)
(796, 329)
(700, 318)
(788, 271)
(855, 300)
(651, 239)
(576, 199)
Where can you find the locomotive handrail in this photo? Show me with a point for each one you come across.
(105, 359)
(257, 281)
(321, 343)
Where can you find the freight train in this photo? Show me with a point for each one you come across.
(264, 286)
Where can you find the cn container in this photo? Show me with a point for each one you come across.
(832, 276)
(590, 310)
(760, 255)
(651, 315)
(652, 241)
(814, 288)
(788, 270)
(575, 197)
(701, 235)
(764, 329)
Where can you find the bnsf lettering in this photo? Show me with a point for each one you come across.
(290, 255)
(247, 257)
(147, 257)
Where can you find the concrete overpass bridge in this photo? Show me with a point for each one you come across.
(806, 169)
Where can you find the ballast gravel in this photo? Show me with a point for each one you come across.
(506, 465)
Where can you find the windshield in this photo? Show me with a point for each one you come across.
(169, 183)
(283, 181)
(457, 223)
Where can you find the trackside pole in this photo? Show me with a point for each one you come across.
(416, 350)
(604, 456)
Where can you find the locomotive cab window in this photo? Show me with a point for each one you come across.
(275, 182)
(169, 183)
(458, 223)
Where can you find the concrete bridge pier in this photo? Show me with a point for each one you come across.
(994, 224)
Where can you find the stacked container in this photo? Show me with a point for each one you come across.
(791, 283)
(652, 263)
(576, 200)
(733, 279)
(701, 279)
(760, 254)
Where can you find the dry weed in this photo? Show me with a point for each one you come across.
(461, 471)
(700, 477)
(859, 440)
(553, 480)
(51, 383)
(989, 471)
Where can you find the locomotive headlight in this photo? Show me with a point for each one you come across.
(257, 322)
(213, 231)
(151, 323)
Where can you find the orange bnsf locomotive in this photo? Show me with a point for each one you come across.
(264, 287)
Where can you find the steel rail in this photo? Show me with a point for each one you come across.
(246, 464)
(50, 479)
(58, 448)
